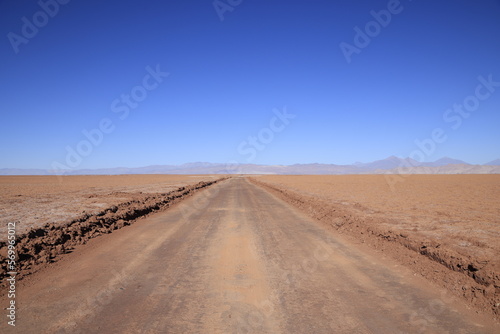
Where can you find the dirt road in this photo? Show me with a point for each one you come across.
(231, 259)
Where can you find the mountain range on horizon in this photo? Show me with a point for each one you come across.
(390, 165)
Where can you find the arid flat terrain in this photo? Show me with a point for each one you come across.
(254, 254)
(459, 211)
(453, 220)
(34, 201)
(233, 258)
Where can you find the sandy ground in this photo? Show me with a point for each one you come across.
(459, 211)
(34, 201)
(452, 219)
(233, 258)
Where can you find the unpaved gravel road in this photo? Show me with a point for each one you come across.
(231, 259)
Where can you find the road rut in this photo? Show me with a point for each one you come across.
(231, 259)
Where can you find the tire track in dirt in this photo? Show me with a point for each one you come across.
(42, 246)
(457, 274)
(240, 276)
(242, 261)
(325, 273)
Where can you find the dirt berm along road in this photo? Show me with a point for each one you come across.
(232, 259)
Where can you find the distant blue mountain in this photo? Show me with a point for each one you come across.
(388, 165)
(493, 163)
(445, 161)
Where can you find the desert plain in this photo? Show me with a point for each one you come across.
(34, 201)
(246, 253)
(458, 212)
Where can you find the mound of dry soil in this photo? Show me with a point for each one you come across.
(474, 279)
(42, 245)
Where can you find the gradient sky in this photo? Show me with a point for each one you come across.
(227, 79)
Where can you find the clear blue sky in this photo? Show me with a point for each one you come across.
(227, 76)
